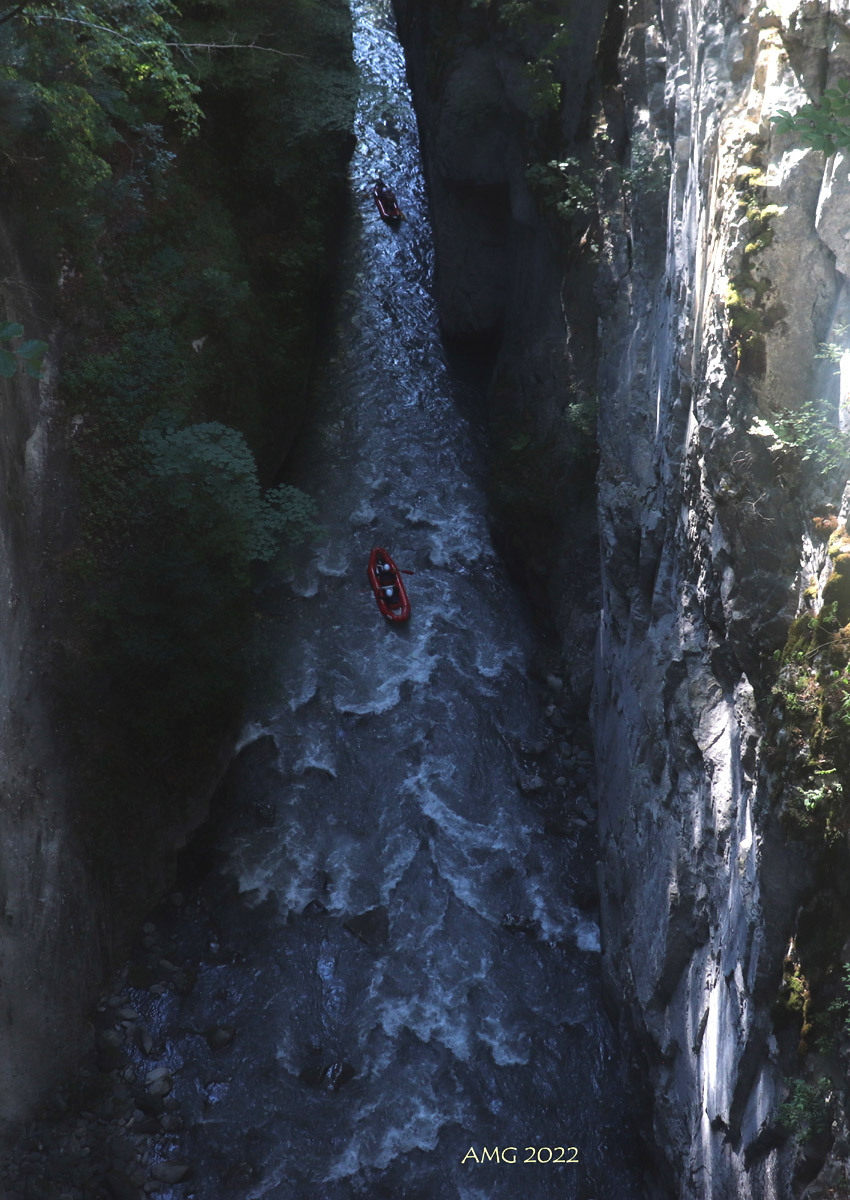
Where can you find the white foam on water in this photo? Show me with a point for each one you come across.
(386, 697)
(417, 516)
(463, 880)
(338, 865)
(363, 516)
(419, 1132)
(417, 1117)
(302, 690)
(491, 659)
(332, 561)
(340, 855)
(304, 587)
(333, 989)
(285, 859)
(400, 848)
(458, 537)
(438, 1017)
(379, 691)
(508, 1048)
(554, 919)
(255, 881)
(493, 834)
(588, 937)
(315, 859)
(315, 755)
(251, 733)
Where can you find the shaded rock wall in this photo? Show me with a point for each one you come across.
(504, 281)
(49, 941)
(715, 284)
(85, 848)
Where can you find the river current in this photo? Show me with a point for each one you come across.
(388, 925)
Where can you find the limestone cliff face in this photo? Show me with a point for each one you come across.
(707, 335)
(718, 277)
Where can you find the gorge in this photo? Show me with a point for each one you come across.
(605, 788)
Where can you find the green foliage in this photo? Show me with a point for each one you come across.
(811, 708)
(812, 428)
(172, 511)
(80, 82)
(809, 1108)
(840, 1007)
(792, 1005)
(648, 172)
(824, 126)
(542, 89)
(210, 479)
(550, 35)
(533, 30)
(174, 618)
(834, 351)
(193, 271)
(582, 416)
(749, 316)
(538, 20)
(567, 188)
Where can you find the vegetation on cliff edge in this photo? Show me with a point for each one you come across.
(180, 170)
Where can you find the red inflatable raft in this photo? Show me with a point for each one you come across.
(386, 202)
(389, 590)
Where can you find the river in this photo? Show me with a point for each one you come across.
(398, 772)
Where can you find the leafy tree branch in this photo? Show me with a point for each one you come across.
(824, 126)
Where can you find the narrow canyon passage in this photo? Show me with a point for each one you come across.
(399, 926)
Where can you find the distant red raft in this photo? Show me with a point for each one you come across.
(389, 590)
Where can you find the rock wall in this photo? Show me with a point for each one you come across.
(708, 335)
(723, 247)
(49, 944)
(505, 287)
(90, 828)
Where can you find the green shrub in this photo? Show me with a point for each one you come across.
(809, 1108)
(824, 126)
(567, 188)
(209, 482)
(813, 428)
(79, 83)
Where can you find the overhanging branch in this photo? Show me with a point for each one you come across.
(142, 45)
